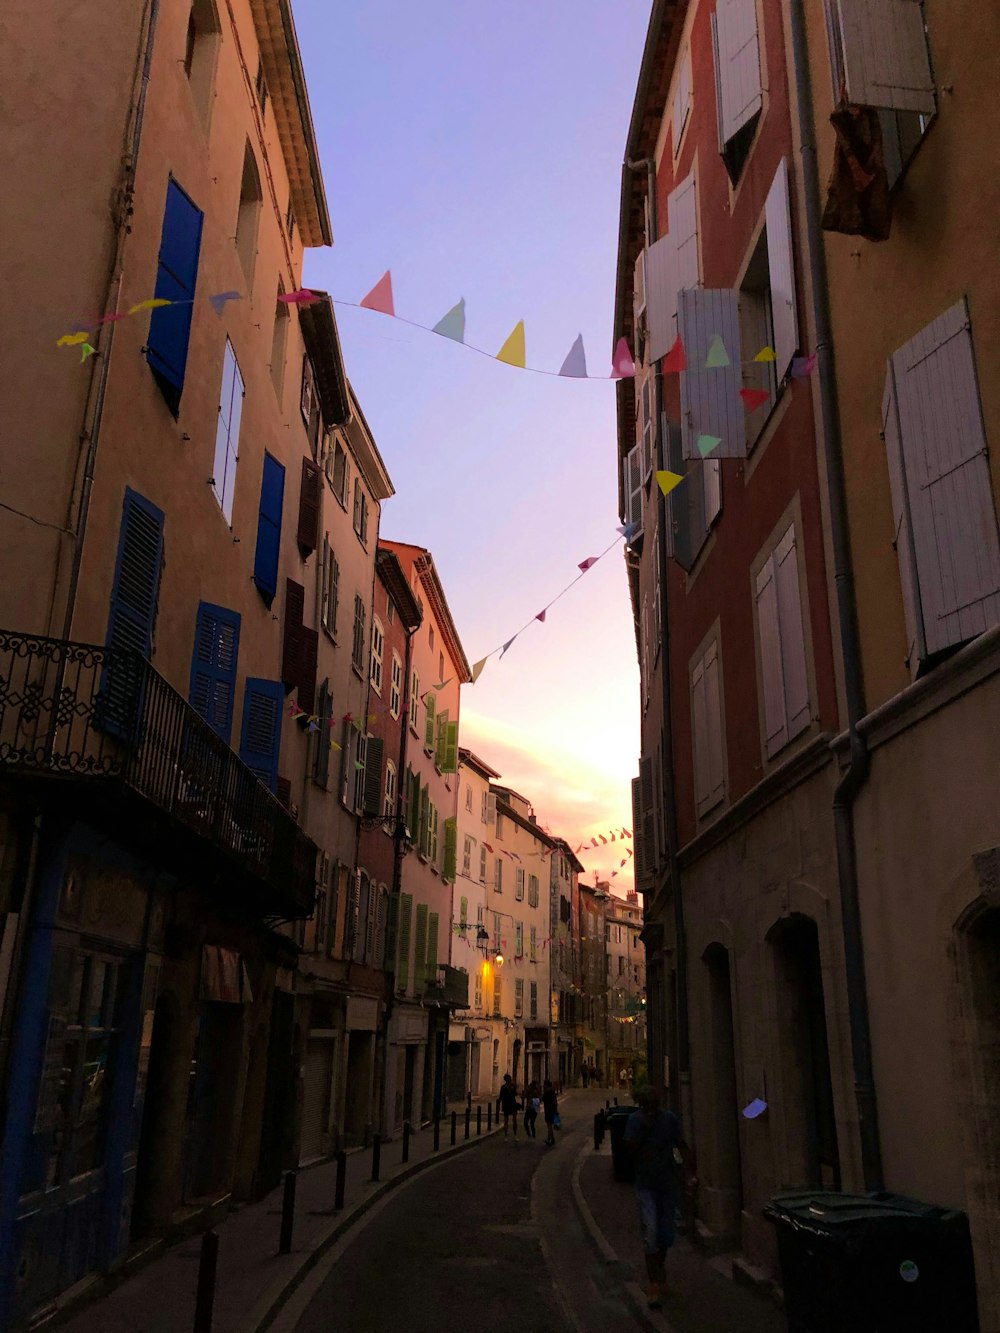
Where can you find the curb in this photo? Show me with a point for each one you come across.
(267, 1309)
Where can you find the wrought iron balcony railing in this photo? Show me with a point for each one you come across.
(105, 717)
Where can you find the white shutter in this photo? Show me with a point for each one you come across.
(712, 481)
(639, 286)
(775, 726)
(884, 50)
(739, 65)
(710, 398)
(699, 737)
(633, 485)
(793, 646)
(682, 214)
(782, 270)
(713, 715)
(682, 98)
(902, 537)
(947, 477)
(645, 424)
(661, 297)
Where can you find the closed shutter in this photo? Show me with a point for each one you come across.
(132, 614)
(373, 776)
(351, 909)
(739, 65)
(902, 537)
(775, 722)
(309, 505)
(793, 646)
(176, 275)
(677, 502)
(272, 495)
(639, 286)
(440, 737)
(682, 210)
(947, 477)
(646, 425)
(633, 487)
(381, 928)
(318, 1079)
(647, 832)
(307, 679)
(712, 478)
(291, 650)
(782, 270)
(321, 767)
(661, 297)
(450, 848)
(370, 920)
(432, 948)
(519, 884)
(710, 396)
(682, 98)
(429, 722)
(450, 764)
(699, 737)
(420, 948)
(260, 738)
(213, 666)
(885, 58)
(425, 818)
(713, 713)
(227, 432)
(405, 925)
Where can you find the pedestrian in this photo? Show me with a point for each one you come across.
(532, 1102)
(508, 1103)
(584, 1073)
(550, 1105)
(651, 1134)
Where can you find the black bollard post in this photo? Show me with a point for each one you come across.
(207, 1267)
(598, 1129)
(489, 1117)
(479, 1121)
(406, 1140)
(338, 1194)
(376, 1155)
(437, 1132)
(468, 1120)
(287, 1213)
(607, 1105)
(454, 1127)
(616, 1101)
(468, 1100)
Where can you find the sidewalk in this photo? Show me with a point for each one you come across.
(704, 1298)
(253, 1279)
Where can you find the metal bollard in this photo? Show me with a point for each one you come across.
(616, 1101)
(376, 1155)
(607, 1106)
(338, 1194)
(406, 1140)
(287, 1213)
(479, 1121)
(598, 1129)
(437, 1132)
(468, 1120)
(489, 1117)
(454, 1127)
(207, 1267)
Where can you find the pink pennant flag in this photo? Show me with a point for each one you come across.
(488, 847)
(622, 365)
(593, 842)
(303, 296)
(584, 565)
(112, 318)
(541, 616)
(675, 361)
(803, 366)
(380, 296)
(612, 836)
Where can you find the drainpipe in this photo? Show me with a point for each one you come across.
(857, 771)
(680, 934)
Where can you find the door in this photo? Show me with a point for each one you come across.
(319, 1065)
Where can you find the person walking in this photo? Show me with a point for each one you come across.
(508, 1104)
(532, 1101)
(652, 1134)
(550, 1105)
(584, 1074)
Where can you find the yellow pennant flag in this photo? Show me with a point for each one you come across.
(72, 339)
(668, 480)
(766, 354)
(153, 303)
(513, 349)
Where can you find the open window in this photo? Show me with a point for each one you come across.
(248, 216)
(739, 94)
(201, 50)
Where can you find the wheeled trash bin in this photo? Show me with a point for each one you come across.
(616, 1118)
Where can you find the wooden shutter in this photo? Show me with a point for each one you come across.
(710, 397)
(260, 738)
(682, 98)
(775, 722)
(213, 666)
(429, 722)
(432, 948)
(781, 267)
(291, 649)
(712, 479)
(885, 57)
(405, 926)
(307, 678)
(639, 286)
(648, 814)
(309, 505)
(639, 849)
(661, 297)
(272, 495)
(682, 210)
(793, 647)
(633, 473)
(645, 423)
(440, 737)
(137, 576)
(420, 948)
(450, 764)
(373, 777)
(381, 928)
(450, 848)
(948, 485)
(321, 766)
(519, 884)
(425, 817)
(902, 538)
(739, 65)
(176, 275)
(361, 941)
(714, 735)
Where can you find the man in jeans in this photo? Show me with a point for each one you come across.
(651, 1135)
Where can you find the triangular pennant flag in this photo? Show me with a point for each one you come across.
(668, 480)
(477, 669)
(753, 398)
(443, 683)
(766, 354)
(584, 565)
(622, 364)
(803, 366)
(153, 303)
(541, 616)
(359, 765)
(603, 839)
(507, 645)
(313, 726)
(73, 339)
(348, 717)
(86, 350)
(717, 354)
(334, 745)
(755, 1108)
(612, 836)
(301, 296)
(628, 531)
(622, 862)
(676, 360)
(575, 364)
(112, 318)
(380, 296)
(626, 833)
(593, 842)
(452, 325)
(513, 349)
(219, 300)
(706, 443)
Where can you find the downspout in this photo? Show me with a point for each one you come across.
(673, 866)
(857, 771)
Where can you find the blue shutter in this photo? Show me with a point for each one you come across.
(133, 610)
(213, 666)
(272, 494)
(261, 734)
(170, 326)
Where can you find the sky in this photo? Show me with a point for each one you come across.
(475, 150)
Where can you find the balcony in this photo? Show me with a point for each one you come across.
(144, 765)
(448, 985)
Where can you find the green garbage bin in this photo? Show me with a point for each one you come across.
(873, 1263)
(616, 1119)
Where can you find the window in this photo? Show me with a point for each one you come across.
(290, 220)
(441, 667)
(498, 875)
(879, 55)
(737, 80)
(378, 648)
(260, 739)
(213, 666)
(265, 562)
(482, 865)
(518, 939)
(944, 517)
(533, 1006)
(621, 965)
(519, 884)
(389, 806)
(227, 433)
(390, 610)
(468, 796)
(518, 997)
(532, 890)
(632, 489)
(395, 684)
(478, 991)
(360, 764)
(324, 734)
(784, 682)
(358, 649)
(533, 944)
(432, 834)
(405, 931)
(682, 99)
(499, 825)
(414, 699)
(309, 406)
(497, 995)
(248, 215)
(330, 589)
(360, 511)
(200, 54)
(176, 274)
(645, 425)
(260, 87)
(132, 615)
(467, 847)
(337, 470)
(707, 736)
(430, 636)
(279, 337)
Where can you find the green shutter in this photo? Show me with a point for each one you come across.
(440, 738)
(463, 914)
(420, 948)
(450, 849)
(429, 725)
(405, 917)
(425, 817)
(450, 761)
(432, 948)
